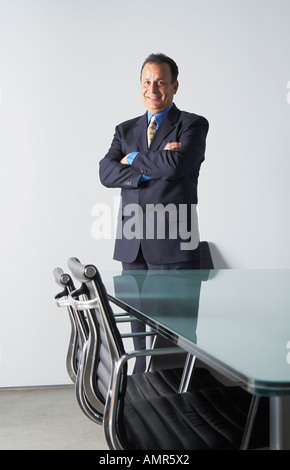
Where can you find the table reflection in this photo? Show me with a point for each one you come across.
(171, 295)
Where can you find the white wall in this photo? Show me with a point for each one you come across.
(69, 72)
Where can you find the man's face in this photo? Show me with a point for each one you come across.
(157, 91)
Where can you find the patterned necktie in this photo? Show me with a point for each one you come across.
(151, 130)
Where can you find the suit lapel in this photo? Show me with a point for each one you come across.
(140, 131)
(167, 125)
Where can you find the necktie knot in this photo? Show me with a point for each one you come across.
(151, 130)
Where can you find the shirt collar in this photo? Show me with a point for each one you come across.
(159, 116)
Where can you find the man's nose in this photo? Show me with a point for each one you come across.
(154, 87)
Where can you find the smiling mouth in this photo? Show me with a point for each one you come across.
(155, 98)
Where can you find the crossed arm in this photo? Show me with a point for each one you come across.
(176, 159)
(169, 146)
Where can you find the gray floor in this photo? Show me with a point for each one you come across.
(46, 419)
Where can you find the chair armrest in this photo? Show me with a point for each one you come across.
(113, 393)
(63, 302)
(83, 304)
(140, 333)
(126, 319)
(121, 314)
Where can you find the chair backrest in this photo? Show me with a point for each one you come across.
(82, 349)
(105, 345)
(205, 257)
(65, 281)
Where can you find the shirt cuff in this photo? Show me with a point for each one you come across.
(131, 157)
(144, 178)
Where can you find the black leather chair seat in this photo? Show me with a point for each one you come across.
(164, 382)
(212, 419)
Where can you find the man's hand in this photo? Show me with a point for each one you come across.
(173, 146)
(124, 160)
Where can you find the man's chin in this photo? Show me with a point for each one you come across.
(154, 108)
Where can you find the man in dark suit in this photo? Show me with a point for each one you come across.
(156, 165)
(157, 221)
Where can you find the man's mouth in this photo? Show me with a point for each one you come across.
(153, 98)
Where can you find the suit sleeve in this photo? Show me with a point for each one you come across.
(171, 165)
(114, 174)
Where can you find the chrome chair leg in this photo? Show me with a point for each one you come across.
(187, 373)
(250, 422)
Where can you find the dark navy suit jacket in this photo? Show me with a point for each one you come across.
(174, 179)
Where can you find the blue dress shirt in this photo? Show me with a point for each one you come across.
(158, 118)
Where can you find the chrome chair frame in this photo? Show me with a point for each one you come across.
(82, 332)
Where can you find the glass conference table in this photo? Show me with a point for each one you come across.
(235, 321)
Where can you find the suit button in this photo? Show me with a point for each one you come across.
(143, 171)
(128, 183)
